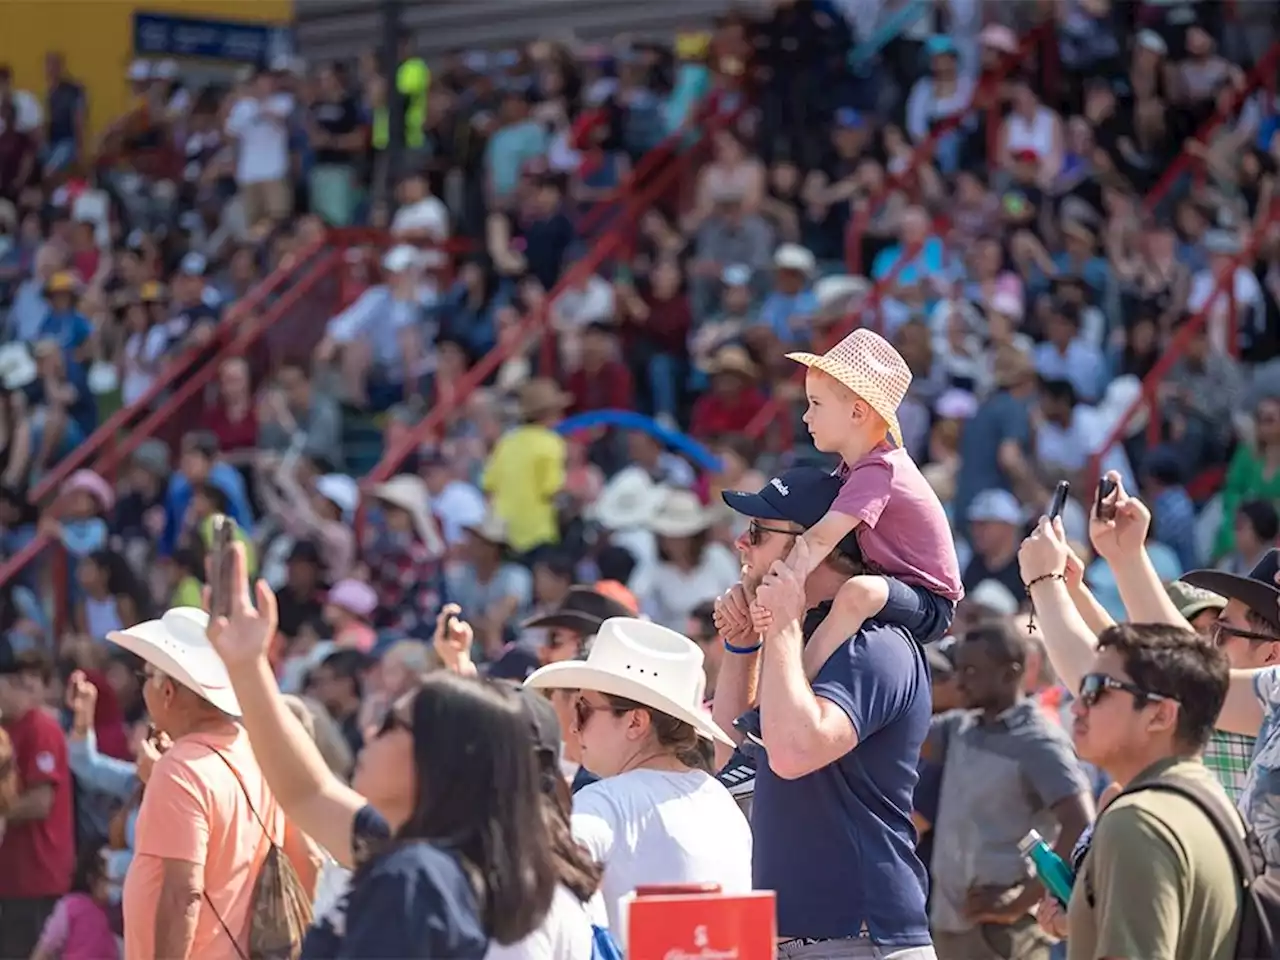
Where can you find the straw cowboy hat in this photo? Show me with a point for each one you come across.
(410, 494)
(639, 661)
(541, 397)
(628, 501)
(867, 364)
(732, 359)
(680, 513)
(178, 646)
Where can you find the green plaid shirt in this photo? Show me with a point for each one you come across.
(1228, 756)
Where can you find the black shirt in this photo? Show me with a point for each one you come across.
(336, 119)
(63, 105)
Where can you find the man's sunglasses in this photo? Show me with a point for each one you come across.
(756, 531)
(1223, 631)
(1094, 686)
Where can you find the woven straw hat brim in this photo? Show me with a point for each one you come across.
(867, 389)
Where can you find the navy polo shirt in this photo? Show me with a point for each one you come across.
(838, 845)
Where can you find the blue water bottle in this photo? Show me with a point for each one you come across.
(1050, 868)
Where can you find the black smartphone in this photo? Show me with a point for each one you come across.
(221, 565)
(1059, 499)
(1104, 507)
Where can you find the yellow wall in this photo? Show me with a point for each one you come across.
(96, 38)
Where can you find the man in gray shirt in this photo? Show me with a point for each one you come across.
(1006, 769)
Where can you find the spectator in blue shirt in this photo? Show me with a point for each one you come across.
(1066, 355)
(831, 815)
(200, 465)
(786, 311)
(519, 140)
(62, 321)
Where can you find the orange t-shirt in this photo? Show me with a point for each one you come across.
(194, 809)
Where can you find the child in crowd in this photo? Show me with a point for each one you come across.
(79, 927)
(854, 391)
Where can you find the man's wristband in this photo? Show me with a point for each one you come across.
(733, 648)
(1042, 579)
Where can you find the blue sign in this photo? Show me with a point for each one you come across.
(161, 35)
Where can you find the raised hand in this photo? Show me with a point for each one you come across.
(1124, 537)
(453, 639)
(246, 634)
(82, 700)
(1045, 553)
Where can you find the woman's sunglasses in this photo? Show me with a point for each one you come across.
(1094, 686)
(583, 711)
(757, 530)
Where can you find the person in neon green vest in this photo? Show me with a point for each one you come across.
(413, 80)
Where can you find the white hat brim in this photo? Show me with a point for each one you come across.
(156, 643)
(866, 390)
(580, 675)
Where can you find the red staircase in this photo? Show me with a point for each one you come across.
(985, 97)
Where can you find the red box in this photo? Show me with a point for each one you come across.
(702, 926)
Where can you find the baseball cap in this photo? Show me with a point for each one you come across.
(800, 495)
(1259, 590)
(1193, 601)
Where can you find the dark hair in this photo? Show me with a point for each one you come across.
(479, 793)
(704, 613)
(1176, 663)
(575, 868)
(202, 442)
(90, 868)
(1060, 390)
(29, 663)
(348, 665)
(122, 581)
(615, 563)
(1002, 639)
(213, 493)
(677, 735)
(1262, 516)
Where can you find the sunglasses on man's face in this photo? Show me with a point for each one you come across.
(1222, 631)
(1094, 686)
(756, 531)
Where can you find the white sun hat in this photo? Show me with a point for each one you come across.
(410, 494)
(867, 364)
(178, 646)
(629, 500)
(341, 491)
(641, 661)
(680, 513)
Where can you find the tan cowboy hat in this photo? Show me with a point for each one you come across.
(540, 397)
(177, 645)
(732, 359)
(867, 364)
(491, 529)
(641, 661)
(410, 494)
(680, 513)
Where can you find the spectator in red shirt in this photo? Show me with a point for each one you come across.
(602, 381)
(232, 418)
(37, 853)
(733, 400)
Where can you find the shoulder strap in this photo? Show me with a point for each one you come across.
(1211, 806)
(243, 789)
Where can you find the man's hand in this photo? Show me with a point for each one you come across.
(245, 636)
(781, 593)
(151, 749)
(732, 617)
(1051, 917)
(82, 700)
(1045, 553)
(1123, 538)
(1074, 571)
(453, 639)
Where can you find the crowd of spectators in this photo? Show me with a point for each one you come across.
(1012, 257)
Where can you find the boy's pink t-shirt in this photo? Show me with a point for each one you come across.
(78, 929)
(902, 528)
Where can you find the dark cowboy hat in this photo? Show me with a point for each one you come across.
(582, 610)
(1259, 591)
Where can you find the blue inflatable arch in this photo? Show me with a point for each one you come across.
(681, 443)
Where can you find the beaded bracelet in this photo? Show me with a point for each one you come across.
(1031, 619)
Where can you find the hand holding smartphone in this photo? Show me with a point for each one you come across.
(1059, 500)
(221, 566)
(1104, 505)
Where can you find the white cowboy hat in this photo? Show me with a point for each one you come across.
(491, 528)
(680, 513)
(177, 645)
(867, 364)
(341, 491)
(627, 501)
(17, 367)
(410, 494)
(639, 661)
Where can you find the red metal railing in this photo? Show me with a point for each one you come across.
(1177, 345)
(985, 97)
(613, 241)
(1262, 75)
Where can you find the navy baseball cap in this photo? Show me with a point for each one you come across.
(800, 495)
(1259, 590)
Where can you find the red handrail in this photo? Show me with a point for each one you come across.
(234, 343)
(1177, 345)
(608, 244)
(923, 152)
(107, 432)
(1260, 76)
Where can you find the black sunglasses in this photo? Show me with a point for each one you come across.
(1093, 686)
(1222, 630)
(756, 531)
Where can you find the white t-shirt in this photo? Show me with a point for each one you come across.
(673, 593)
(427, 216)
(657, 827)
(262, 127)
(565, 934)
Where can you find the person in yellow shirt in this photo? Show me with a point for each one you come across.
(526, 470)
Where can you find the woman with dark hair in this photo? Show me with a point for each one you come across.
(443, 824)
